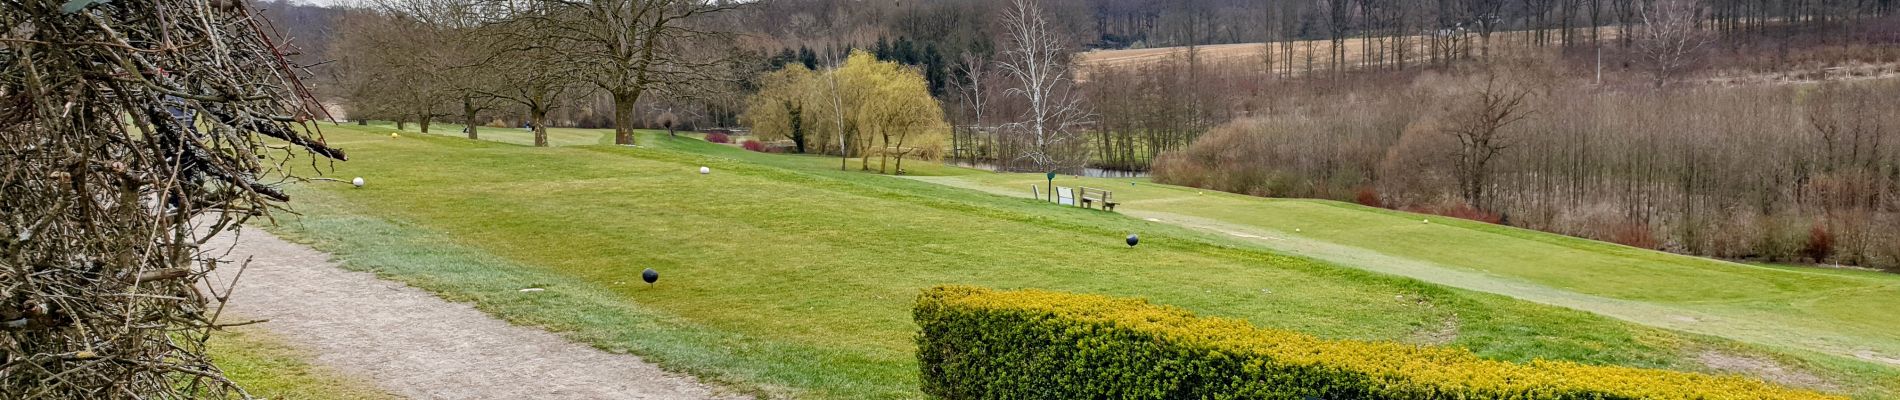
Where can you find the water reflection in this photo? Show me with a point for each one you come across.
(1091, 172)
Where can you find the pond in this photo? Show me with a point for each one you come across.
(1091, 172)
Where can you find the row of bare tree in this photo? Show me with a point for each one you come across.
(1397, 34)
(425, 60)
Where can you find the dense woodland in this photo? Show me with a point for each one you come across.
(1807, 173)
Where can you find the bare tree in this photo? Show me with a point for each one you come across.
(525, 63)
(359, 77)
(1479, 127)
(533, 84)
(446, 46)
(973, 76)
(1670, 38)
(634, 46)
(1036, 59)
(1485, 15)
(669, 121)
(399, 63)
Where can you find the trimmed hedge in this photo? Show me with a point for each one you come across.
(1031, 344)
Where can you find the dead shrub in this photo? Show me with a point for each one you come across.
(1887, 252)
(1734, 238)
(1459, 210)
(1633, 234)
(1782, 239)
(1820, 244)
(1368, 196)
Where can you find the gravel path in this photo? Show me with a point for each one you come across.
(414, 344)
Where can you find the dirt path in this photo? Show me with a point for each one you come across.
(414, 344)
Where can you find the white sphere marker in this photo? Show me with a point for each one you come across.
(358, 181)
(704, 170)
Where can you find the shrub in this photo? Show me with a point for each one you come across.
(1820, 243)
(1735, 236)
(717, 137)
(1633, 234)
(753, 145)
(977, 343)
(1460, 210)
(1367, 196)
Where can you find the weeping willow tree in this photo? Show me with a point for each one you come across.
(131, 131)
(883, 108)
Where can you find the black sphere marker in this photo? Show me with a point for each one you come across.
(650, 276)
(1132, 240)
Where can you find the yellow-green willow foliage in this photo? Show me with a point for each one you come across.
(863, 109)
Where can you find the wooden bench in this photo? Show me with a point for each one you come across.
(1065, 196)
(1092, 196)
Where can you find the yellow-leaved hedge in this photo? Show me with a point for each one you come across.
(1032, 344)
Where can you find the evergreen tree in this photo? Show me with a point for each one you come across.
(903, 52)
(808, 57)
(784, 56)
(934, 70)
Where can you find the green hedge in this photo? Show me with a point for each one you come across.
(1031, 344)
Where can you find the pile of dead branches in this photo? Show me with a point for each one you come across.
(130, 132)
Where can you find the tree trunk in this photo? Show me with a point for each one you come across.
(538, 116)
(424, 122)
(468, 118)
(402, 123)
(883, 156)
(623, 117)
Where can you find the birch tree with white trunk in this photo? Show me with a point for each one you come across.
(1670, 38)
(1049, 131)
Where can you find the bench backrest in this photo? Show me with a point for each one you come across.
(1065, 196)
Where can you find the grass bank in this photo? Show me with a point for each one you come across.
(1802, 308)
(782, 275)
(269, 368)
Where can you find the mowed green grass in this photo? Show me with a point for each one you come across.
(1824, 310)
(781, 275)
(269, 368)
